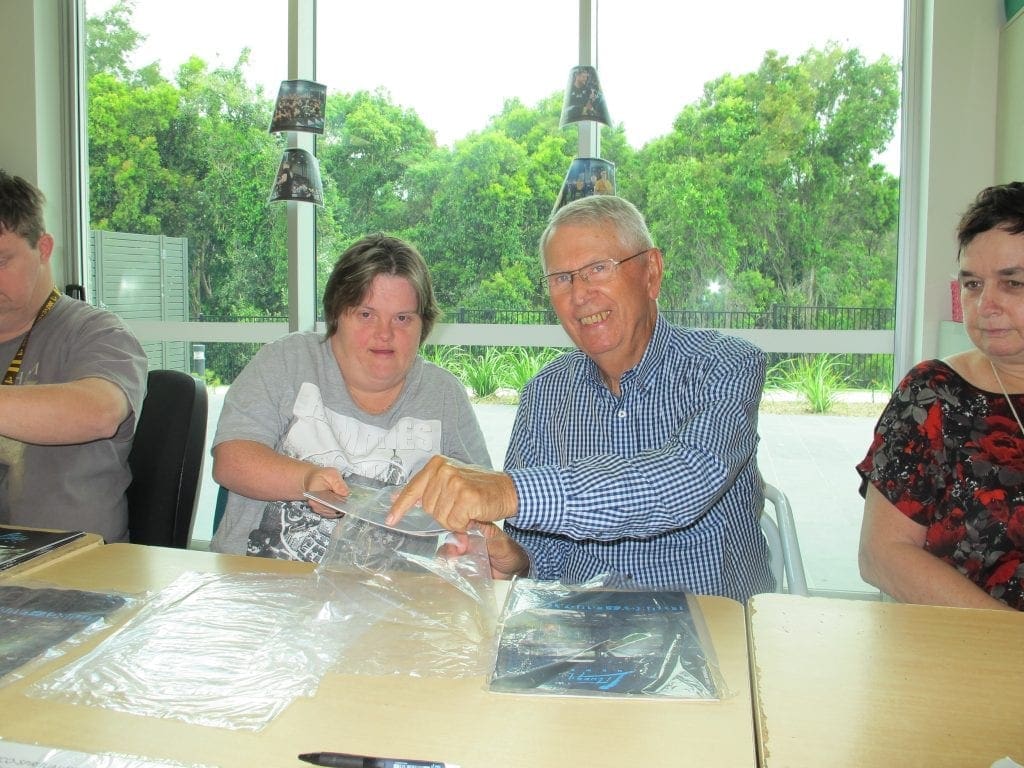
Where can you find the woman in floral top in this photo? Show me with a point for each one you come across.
(943, 480)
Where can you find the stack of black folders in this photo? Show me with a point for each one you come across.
(35, 621)
(19, 545)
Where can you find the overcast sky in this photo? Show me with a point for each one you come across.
(455, 61)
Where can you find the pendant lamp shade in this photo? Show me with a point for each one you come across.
(584, 99)
(587, 176)
(298, 178)
(299, 107)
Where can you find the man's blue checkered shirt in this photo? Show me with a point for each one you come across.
(659, 485)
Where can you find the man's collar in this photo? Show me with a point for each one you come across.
(643, 370)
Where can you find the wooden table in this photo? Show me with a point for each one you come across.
(82, 543)
(856, 683)
(449, 719)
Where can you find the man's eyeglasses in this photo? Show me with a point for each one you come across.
(595, 273)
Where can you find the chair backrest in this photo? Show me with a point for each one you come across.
(783, 547)
(220, 507)
(166, 458)
(775, 562)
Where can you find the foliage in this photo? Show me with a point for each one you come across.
(513, 287)
(462, 243)
(368, 148)
(523, 363)
(486, 373)
(771, 172)
(110, 40)
(767, 184)
(225, 360)
(817, 377)
(452, 359)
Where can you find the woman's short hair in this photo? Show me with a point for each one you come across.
(374, 255)
(21, 208)
(600, 210)
(997, 207)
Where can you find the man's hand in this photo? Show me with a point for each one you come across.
(324, 479)
(456, 494)
(507, 558)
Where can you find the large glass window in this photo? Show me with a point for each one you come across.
(760, 141)
(181, 166)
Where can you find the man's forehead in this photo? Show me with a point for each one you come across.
(584, 236)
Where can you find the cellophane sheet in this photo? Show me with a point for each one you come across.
(227, 650)
(233, 650)
(16, 755)
(425, 605)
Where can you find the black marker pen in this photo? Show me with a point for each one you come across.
(342, 760)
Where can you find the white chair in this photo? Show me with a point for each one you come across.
(783, 547)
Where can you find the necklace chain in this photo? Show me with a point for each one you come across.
(1007, 396)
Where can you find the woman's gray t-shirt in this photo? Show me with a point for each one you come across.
(292, 398)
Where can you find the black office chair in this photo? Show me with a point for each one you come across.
(166, 457)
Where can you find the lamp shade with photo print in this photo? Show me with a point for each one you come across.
(298, 178)
(584, 99)
(299, 107)
(587, 176)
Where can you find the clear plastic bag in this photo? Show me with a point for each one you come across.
(15, 754)
(232, 650)
(424, 608)
(600, 640)
(227, 650)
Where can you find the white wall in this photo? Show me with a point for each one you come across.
(18, 146)
(34, 135)
(950, 151)
(1010, 129)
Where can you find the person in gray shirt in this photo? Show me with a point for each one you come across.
(71, 392)
(314, 412)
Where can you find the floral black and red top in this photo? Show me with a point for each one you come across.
(950, 456)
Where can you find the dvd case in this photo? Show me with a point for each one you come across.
(594, 641)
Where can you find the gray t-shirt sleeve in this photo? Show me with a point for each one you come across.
(101, 347)
(258, 405)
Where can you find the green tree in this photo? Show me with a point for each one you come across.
(127, 174)
(548, 151)
(773, 172)
(110, 39)
(767, 184)
(368, 147)
(478, 215)
(510, 288)
(219, 149)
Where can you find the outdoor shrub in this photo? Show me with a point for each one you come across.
(522, 364)
(485, 373)
(817, 377)
(452, 359)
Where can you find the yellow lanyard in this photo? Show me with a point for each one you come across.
(15, 366)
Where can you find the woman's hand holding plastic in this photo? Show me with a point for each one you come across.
(319, 478)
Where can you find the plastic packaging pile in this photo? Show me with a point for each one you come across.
(233, 650)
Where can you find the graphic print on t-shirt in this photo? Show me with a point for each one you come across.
(389, 456)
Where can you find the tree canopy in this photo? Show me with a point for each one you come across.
(768, 185)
